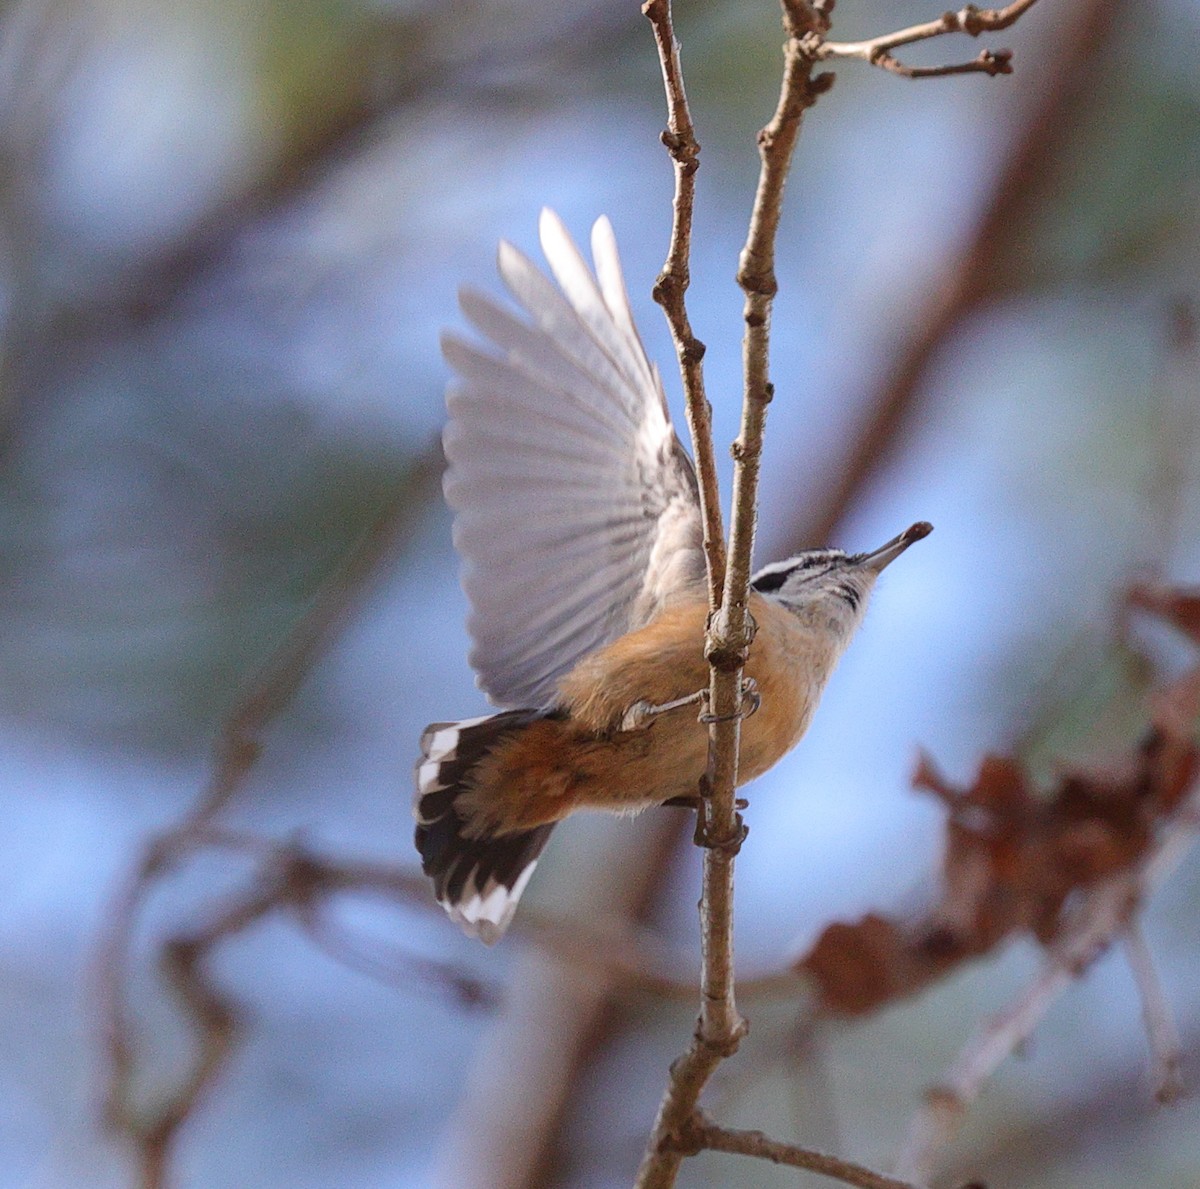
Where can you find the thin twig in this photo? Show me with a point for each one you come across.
(978, 272)
(754, 1143)
(969, 19)
(989, 62)
(1166, 1049)
(671, 288)
(393, 966)
(1101, 918)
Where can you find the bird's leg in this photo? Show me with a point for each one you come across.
(693, 801)
(640, 713)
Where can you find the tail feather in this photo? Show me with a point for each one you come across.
(478, 880)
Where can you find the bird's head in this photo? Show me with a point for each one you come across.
(828, 589)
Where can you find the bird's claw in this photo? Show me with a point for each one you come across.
(749, 694)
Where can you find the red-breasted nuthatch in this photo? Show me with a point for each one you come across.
(578, 520)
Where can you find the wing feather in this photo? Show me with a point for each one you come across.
(534, 370)
(612, 283)
(558, 321)
(575, 504)
(582, 291)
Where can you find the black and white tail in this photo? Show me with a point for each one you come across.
(478, 881)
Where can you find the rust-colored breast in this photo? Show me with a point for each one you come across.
(790, 667)
(585, 761)
(665, 660)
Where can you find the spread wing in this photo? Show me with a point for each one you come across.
(576, 513)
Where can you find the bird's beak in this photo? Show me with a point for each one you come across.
(885, 554)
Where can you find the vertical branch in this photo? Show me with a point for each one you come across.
(672, 284)
(756, 276)
(1166, 1048)
(680, 1129)
(731, 629)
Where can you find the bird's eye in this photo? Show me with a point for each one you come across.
(765, 583)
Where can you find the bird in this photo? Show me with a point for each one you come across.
(577, 519)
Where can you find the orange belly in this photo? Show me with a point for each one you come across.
(583, 760)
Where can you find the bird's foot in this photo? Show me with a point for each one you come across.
(750, 694)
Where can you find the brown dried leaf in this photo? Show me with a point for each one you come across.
(1000, 786)
(929, 779)
(858, 967)
(1179, 606)
(1175, 708)
(1086, 851)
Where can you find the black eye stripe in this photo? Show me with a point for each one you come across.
(765, 583)
(806, 567)
(775, 579)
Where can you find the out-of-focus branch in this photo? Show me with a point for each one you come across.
(1101, 918)
(705, 1134)
(392, 966)
(236, 751)
(211, 1012)
(1166, 1049)
(275, 684)
(566, 984)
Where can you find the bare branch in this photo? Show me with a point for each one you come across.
(672, 284)
(719, 827)
(969, 19)
(731, 627)
(989, 62)
(708, 1135)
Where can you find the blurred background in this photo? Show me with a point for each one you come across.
(231, 231)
